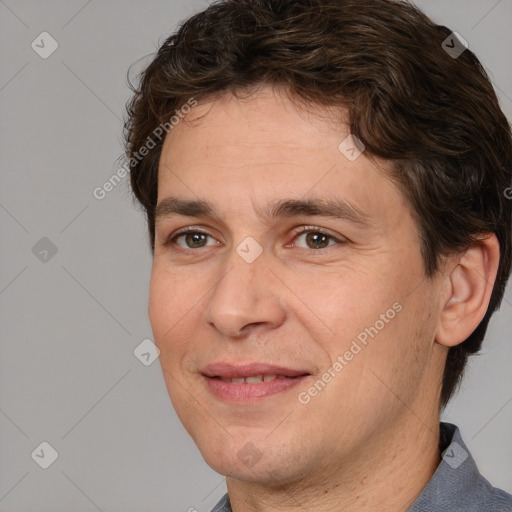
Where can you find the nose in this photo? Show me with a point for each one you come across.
(246, 299)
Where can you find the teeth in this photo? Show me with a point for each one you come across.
(253, 379)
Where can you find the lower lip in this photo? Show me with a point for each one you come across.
(248, 392)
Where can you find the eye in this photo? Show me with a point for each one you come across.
(308, 237)
(315, 238)
(192, 239)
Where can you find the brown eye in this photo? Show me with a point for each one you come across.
(192, 240)
(315, 240)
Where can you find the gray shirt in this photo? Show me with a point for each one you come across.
(456, 486)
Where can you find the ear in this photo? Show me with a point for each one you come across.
(469, 284)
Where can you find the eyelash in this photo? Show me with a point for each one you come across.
(171, 241)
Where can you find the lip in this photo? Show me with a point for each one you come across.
(245, 393)
(232, 371)
(248, 393)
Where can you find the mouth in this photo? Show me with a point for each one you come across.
(252, 379)
(250, 382)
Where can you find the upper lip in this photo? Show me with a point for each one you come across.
(233, 371)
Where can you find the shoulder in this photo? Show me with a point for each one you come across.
(494, 499)
(457, 484)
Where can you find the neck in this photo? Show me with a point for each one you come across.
(387, 474)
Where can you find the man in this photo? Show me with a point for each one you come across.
(325, 183)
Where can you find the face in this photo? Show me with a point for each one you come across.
(278, 254)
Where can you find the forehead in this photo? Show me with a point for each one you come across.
(264, 122)
(264, 148)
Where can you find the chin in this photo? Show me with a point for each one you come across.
(249, 461)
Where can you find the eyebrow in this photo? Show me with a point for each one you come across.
(334, 208)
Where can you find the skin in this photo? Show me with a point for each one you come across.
(369, 439)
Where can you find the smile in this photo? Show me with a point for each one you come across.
(251, 389)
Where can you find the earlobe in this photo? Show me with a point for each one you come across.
(469, 283)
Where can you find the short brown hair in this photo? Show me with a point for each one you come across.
(434, 116)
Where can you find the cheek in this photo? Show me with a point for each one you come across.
(173, 309)
(344, 302)
(373, 315)
(396, 358)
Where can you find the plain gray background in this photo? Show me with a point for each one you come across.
(70, 321)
